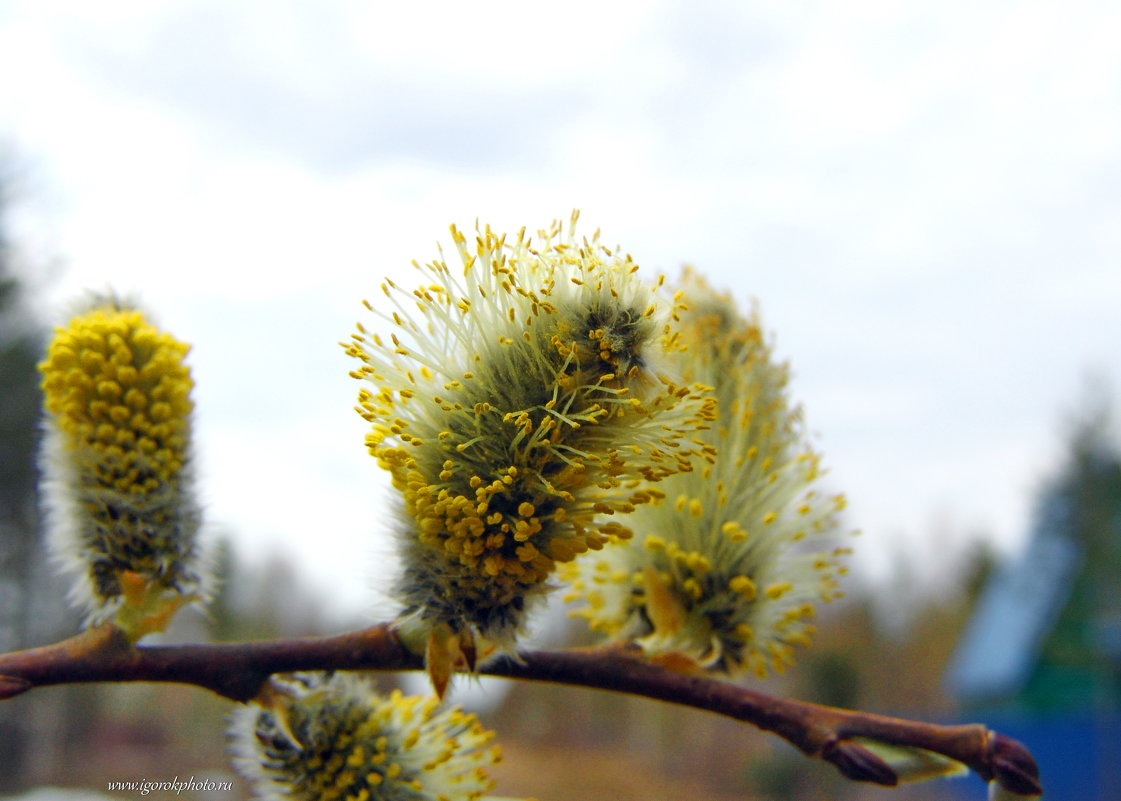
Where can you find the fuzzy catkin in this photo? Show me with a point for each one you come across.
(519, 403)
(727, 572)
(335, 737)
(117, 458)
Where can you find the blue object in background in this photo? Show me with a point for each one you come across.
(1079, 757)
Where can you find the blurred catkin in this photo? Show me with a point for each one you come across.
(727, 572)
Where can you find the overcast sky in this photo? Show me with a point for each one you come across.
(924, 197)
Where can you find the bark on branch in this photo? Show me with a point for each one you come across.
(238, 671)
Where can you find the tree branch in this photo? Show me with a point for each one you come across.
(239, 670)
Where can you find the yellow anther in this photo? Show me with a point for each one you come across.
(778, 589)
(744, 586)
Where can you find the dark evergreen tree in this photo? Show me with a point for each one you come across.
(29, 595)
(1080, 665)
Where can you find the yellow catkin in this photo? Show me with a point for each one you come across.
(117, 393)
(335, 737)
(564, 412)
(723, 577)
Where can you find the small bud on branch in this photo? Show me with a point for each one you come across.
(858, 763)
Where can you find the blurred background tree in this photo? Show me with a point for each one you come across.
(1079, 664)
(30, 596)
(1041, 653)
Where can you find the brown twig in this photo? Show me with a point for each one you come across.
(233, 670)
(818, 731)
(238, 671)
